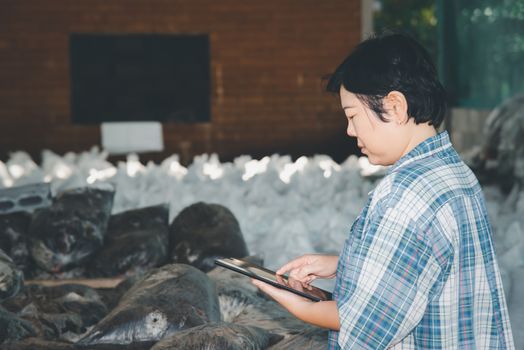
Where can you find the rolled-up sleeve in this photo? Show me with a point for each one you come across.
(389, 272)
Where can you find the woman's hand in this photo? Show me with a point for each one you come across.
(282, 296)
(323, 313)
(309, 267)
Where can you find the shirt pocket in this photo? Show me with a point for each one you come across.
(357, 227)
(350, 244)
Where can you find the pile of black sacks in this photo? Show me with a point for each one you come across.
(171, 297)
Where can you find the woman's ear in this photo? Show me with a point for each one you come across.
(397, 107)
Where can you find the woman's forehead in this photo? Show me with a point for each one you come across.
(349, 99)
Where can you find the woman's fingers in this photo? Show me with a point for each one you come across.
(304, 274)
(296, 284)
(266, 288)
(280, 295)
(293, 264)
(310, 267)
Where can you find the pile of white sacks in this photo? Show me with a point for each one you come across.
(285, 208)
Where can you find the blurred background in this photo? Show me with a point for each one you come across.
(232, 77)
(180, 101)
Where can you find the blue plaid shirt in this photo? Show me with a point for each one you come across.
(418, 270)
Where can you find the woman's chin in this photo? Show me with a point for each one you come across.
(375, 161)
(371, 159)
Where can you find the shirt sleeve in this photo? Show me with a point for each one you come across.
(389, 273)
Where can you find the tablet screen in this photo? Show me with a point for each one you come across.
(268, 276)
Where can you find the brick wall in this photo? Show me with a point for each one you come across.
(267, 58)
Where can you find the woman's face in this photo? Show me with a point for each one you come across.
(383, 142)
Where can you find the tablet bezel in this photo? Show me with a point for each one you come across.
(229, 263)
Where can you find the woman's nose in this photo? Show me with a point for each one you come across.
(351, 130)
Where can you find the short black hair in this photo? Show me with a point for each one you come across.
(390, 62)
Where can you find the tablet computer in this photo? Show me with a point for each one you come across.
(258, 272)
